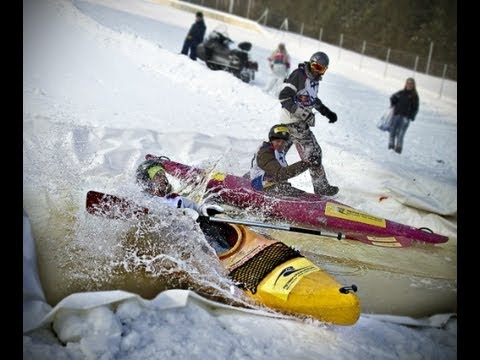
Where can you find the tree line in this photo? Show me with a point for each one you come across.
(409, 28)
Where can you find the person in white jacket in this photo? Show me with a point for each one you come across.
(299, 97)
(279, 63)
(153, 180)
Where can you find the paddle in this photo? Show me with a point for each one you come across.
(112, 206)
(115, 207)
(338, 236)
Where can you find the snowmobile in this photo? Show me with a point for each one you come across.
(218, 55)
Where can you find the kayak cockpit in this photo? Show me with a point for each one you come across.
(223, 237)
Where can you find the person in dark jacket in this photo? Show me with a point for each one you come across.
(298, 99)
(269, 170)
(194, 36)
(405, 105)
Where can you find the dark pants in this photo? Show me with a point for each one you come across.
(192, 46)
(307, 147)
(398, 128)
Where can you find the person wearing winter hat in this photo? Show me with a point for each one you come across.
(298, 99)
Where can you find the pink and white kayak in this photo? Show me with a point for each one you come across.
(318, 212)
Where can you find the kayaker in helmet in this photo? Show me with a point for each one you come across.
(269, 169)
(151, 176)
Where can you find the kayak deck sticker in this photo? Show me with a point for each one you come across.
(347, 213)
(282, 281)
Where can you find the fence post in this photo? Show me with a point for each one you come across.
(216, 4)
(301, 35)
(248, 8)
(320, 35)
(415, 66)
(386, 62)
(443, 80)
(340, 45)
(264, 17)
(429, 58)
(364, 45)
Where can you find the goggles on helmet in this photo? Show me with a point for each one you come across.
(318, 68)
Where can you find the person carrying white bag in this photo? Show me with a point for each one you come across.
(386, 120)
(405, 104)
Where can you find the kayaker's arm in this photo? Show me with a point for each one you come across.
(273, 169)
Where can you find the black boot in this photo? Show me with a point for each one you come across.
(327, 190)
(320, 182)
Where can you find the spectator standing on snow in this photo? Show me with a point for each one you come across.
(279, 62)
(194, 36)
(269, 170)
(405, 105)
(298, 99)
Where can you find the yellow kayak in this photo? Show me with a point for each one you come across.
(279, 277)
(269, 271)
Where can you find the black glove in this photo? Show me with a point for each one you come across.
(322, 109)
(332, 117)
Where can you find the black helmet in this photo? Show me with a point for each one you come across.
(147, 170)
(320, 58)
(279, 131)
(317, 65)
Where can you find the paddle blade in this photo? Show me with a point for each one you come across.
(112, 206)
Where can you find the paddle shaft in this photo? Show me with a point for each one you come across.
(112, 206)
(338, 236)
